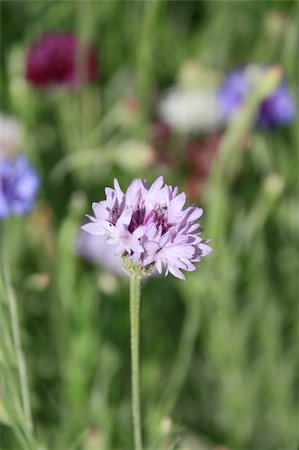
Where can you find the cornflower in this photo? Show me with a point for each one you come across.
(19, 183)
(51, 61)
(278, 109)
(150, 229)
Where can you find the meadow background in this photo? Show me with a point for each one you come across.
(220, 353)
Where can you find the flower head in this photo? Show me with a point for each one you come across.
(150, 226)
(51, 61)
(18, 186)
(233, 92)
(277, 109)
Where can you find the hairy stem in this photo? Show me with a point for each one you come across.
(135, 294)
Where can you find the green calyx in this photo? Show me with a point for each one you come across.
(135, 269)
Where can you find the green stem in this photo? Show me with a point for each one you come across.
(18, 349)
(184, 356)
(145, 56)
(135, 291)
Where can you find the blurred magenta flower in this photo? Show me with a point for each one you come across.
(200, 156)
(51, 61)
(150, 226)
(277, 109)
(160, 132)
(19, 183)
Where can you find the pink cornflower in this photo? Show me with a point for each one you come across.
(51, 61)
(150, 226)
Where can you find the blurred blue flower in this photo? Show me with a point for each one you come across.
(277, 109)
(233, 92)
(18, 186)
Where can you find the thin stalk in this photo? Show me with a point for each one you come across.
(184, 356)
(135, 295)
(13, 310)
(15, 386)
(145, 55)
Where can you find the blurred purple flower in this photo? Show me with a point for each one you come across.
(277, 109)
(151, 226)
(18, 186)
(51, 61)
(95, 249)
(233, 92)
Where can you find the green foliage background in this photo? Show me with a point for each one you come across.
(220, 353)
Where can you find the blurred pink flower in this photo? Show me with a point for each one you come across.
(95, 249)
(150, 226)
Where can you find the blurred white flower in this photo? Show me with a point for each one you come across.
(94, 249)
(191, 110)
(10, 135)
